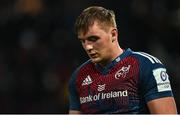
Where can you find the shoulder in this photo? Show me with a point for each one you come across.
(146, 58)
(154, 80)
(82, 68)
(142, 57)
(147, 61)
(148, 64)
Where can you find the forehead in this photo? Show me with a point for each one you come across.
(95, 29)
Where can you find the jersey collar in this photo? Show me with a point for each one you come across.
(107, 68)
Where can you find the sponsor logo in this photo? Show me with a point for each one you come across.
(122, 72)
(118, 59)
(87, 80)
(101, 96)
(162, 79)
(164, 75)
(101, 87)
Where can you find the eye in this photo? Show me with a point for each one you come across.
(93, 38)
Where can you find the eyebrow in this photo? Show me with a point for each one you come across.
(93, 36)
(89, 37)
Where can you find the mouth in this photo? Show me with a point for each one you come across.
(94, 55)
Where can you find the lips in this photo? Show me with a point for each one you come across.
(93, 55)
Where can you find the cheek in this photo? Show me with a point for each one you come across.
(102, 46)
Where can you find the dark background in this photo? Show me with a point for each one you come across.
(39, 51)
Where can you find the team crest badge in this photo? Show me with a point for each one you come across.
(122, 72)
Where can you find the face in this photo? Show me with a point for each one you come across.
(98, 43)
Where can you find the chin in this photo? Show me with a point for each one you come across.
(96, 60)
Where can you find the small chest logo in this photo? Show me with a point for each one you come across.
(122, 72)
(101, 87)
(87, 80)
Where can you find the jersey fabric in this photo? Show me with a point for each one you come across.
(124, 86)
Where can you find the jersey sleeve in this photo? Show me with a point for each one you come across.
(154, 80)
(74, 103)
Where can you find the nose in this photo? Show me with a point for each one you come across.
(88, 46)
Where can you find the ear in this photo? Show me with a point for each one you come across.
(114, 34)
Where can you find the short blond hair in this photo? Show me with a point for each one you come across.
(104, 17)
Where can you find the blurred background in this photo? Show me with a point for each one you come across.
(39, 51)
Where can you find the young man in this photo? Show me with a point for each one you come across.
(116, 80)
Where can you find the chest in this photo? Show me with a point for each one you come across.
(116, 88)
(122, 76)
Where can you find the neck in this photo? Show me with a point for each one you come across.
(114, 55)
